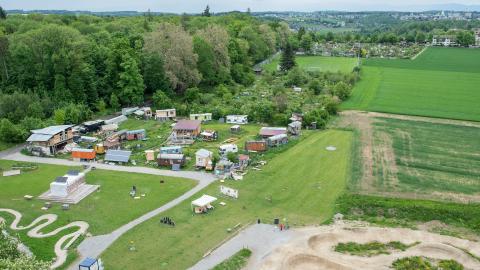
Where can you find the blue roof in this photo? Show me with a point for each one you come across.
(118, 155)
(88, 262)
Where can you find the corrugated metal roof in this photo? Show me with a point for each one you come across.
(82, 150)
(187, 125)
(52, 130)
(39, 138)
(272, 131)
(203, 153)
(136, 131)
(118, 155)
(170, 156)
(278, 137)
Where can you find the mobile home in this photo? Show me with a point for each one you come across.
(237, 119)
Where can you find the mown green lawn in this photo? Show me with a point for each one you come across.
(440, 83)
(319, 63)
(105, 210)
(301, 185)
(429, 157)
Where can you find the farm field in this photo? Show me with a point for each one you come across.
(300, 185)
(439, 83)
(319, 63)
(111, 201)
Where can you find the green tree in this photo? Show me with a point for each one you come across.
(59, 116)
(154, 73)
(287, 60)
(3, 14)
(114, 102)
(101, 106)
(465, 38)
(205, 60)
(161, 100)
(316, 86)
(206, 12)
(9, 132)
(306, 43)
(130, 84)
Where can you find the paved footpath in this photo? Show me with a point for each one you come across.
(261, 239)
(94, 246)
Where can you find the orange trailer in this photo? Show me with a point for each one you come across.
(80, 153)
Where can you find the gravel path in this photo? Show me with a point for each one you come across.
(261, 239)
(94, 246)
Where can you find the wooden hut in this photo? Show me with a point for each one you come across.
(170, 159)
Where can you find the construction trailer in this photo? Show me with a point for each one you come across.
(204, 117)
(277, 140)
(266, 132)
(50, 140)
(256, 146)
(171, 150)
(166, 115)
(82, 154)
(170, 159)
(139, 134)
(237, 119)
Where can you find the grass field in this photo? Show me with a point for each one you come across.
(105, 210)
(319, 63)
(441, 82)
(300, 185)
(428, 158)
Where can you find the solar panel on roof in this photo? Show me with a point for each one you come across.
(73, 172)
(61, 179)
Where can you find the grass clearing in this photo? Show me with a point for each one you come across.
(319, 63)
(423, 263)
(300, 185)
(439, 83)
(112, 201)
(236, 262)
(372, 248)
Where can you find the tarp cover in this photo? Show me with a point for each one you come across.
(204, 200)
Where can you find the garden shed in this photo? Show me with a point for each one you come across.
(138, 134)
(256, 146)
(277, 140)
(187, 129)
(170, 159)
(235, 129)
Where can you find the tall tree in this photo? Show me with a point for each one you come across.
(176, 46)
(131, 87)
(287, 60)
(3, 14)
(206, 12)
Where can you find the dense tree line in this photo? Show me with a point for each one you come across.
(62, 68)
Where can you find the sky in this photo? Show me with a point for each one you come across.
(195, 6)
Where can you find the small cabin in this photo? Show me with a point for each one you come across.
(204, 117)
(223, 167)
(187, 129)
(50, 140)
(256, 146)
(170, 159)
(237, 119)
(171, 150)
(166, 115)
(138, 134)
(295, 128)
(203, 159)
(209, 135)
(277, 140)
(235, 129)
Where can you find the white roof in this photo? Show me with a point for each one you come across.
(52, 130)
(170, 156)
(203, 153)
(82, 150)
(237, 115)
(235, 126)
(204, 200)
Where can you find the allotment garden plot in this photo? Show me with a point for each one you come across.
(440, 83)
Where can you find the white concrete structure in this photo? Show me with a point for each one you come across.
(64, 185)
(237, 119)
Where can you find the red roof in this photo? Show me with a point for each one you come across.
(187, 125)
(272, 131)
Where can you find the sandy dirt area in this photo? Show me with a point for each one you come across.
(313, 248)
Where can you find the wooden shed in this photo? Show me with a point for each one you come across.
(187, 129)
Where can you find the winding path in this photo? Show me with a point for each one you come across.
(61, 247)
(94, 246)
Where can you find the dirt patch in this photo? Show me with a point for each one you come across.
(313, 248)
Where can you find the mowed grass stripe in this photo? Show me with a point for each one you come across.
(319, 63)
(301, 184)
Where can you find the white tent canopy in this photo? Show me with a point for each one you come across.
(204, 201)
